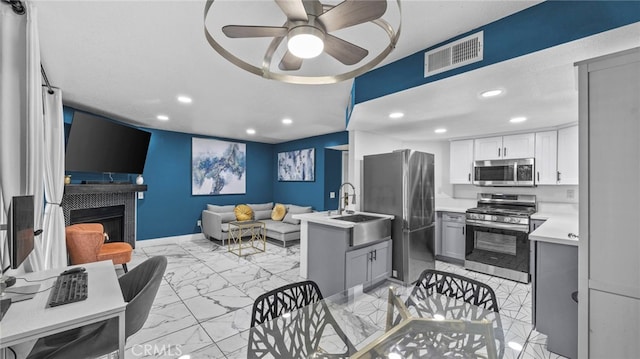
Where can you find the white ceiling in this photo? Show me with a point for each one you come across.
(130, 59)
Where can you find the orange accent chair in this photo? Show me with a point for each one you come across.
(85, 244)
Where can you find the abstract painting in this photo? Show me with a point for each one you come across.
(297, 165)
(218, 167)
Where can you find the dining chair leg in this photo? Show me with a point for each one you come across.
(124, 266)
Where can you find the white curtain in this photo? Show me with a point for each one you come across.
(54, 249)
(21, 126)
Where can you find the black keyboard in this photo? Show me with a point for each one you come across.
(68, 288)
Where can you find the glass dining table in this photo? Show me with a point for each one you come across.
(392, 322)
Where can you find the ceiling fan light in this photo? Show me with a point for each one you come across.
(305, 42)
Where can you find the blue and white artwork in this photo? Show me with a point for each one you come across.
(218, 167)
(297, 165)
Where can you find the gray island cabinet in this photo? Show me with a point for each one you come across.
(335, 264)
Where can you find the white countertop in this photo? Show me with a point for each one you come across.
(556, 229)
(325, 218)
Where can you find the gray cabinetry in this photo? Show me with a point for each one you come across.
(368, 265)
(452, 243)
(556, 313)
(535, 223)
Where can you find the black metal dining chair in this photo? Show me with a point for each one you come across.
(454, 287)
(306, 319)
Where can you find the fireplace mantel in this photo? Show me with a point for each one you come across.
(104, 188)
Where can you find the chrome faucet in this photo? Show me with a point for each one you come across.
(345, 197)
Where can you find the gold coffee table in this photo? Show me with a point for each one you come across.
(255, 233)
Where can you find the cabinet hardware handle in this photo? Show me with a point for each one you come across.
(370, 256)
(462, 230)
(573, 236)
(558, 176)
(538, 176)
(375, 254)
(504, 152)
(498, 151)
(469, 177)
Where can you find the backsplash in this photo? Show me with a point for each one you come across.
(554, 194)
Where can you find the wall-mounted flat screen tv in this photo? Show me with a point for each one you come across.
(99, 145)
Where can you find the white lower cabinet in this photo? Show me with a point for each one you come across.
(368, 265)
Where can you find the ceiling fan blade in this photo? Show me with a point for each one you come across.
(294, 9)
(352, 12)
(290, 62)
(344, 51)
(239, 31)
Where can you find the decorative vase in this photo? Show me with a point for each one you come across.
(67, 179)
(139, 179)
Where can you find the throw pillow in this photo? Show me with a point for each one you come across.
(243, 212)
(279, 211)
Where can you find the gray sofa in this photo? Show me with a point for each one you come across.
(215, 222)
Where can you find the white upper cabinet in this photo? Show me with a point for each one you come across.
(568, 155)
(461, 162)
(546, 157)
(489, 148)
(519, 146)
(505, 147)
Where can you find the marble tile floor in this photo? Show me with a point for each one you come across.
(203, 306)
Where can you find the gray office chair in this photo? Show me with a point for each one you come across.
(139, 288)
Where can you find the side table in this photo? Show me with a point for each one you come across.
(255, 233)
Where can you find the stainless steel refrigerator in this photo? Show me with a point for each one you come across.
(401, 184)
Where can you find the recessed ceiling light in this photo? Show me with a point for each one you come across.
(185, 99)
(440, 130)
(287, 121)
(491, 93)
(163, 117)
(251, 131)
(518, 119)
(396, 115)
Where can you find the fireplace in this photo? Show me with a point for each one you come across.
(113, 205)
(111, 217)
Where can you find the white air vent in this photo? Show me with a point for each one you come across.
(455, 54)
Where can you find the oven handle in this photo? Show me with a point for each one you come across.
(513, 227)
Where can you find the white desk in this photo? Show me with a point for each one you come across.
(30, 319)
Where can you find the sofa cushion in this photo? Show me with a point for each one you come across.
(243, 212)
(279, 211)
(260, 206)
(262, 214)
(281, 227)
(292, 208)
(227, 217)
(299, 210)
(220, 209)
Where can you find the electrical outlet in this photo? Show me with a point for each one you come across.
(332, 195)
(199, 223)
(140, 195)
(394, 273)
(571, 194)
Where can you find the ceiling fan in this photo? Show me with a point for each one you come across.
(308, 29)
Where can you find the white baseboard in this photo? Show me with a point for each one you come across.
(168, 240)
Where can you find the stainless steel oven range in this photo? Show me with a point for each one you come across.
(497, 239)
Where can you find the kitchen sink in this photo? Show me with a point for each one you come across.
(367, 229)
(356, 218)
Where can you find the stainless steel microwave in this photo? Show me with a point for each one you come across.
(516, 173)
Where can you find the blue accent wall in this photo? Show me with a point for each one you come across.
(311, 193)
(168, 208)
(332, 177)
(539, 27)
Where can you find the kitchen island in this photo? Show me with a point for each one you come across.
(338, 254)
(555, 281)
